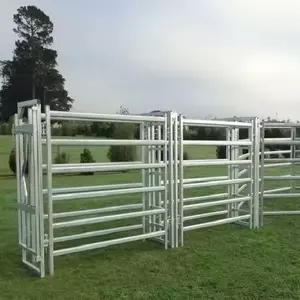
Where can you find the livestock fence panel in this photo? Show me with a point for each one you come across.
(279, 170)
(158, 197)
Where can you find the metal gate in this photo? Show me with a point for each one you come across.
(27, 132)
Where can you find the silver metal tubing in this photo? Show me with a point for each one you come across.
(102, 219)
(103, 244)
(32, 267)
(205, 215)
(281, 160)
(57, 115)
(104, 142)
(281, 141)
(206, 197)
(244, 156)
(215, 223)
(214, 162)
(92, 188)
(243, 172)
(215, 203)
(82, 195)
(215, 123)
(282, 177)
(276, 152)
(282, 212)
(277, 165)
(216, 143)
(204, 179)
(283, 189)
(64, 168)
(96, 233)
(281, 125)
(95, 211)
(287, 195)
(216, 183)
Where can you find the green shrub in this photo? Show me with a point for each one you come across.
(62, 158)
(86, 157)
(12, 162)
(122, 153)
(221, 152)
(186, 156)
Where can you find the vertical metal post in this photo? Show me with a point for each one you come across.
(143, 159)
(159, 177)
(18, 177)
(40, 199)
(153, 173)
(49, 186)
(235, 170)
(181, 176)
(229, 169)
(171, 178)
(262, 173)
(166, 184)
(293, 156)
(31, 195)
(256, 175)
(250, 170)
(175, 184)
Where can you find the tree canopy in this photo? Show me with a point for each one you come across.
(32, 72)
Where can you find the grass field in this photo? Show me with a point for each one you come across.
(225, 262)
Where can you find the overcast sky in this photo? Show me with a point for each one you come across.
(199, 57)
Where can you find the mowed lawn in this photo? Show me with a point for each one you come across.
(224, 262)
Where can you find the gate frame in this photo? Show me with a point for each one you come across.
(162, 183)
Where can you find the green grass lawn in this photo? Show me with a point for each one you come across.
(225, 262)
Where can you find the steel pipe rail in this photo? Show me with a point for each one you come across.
(96, 194)
(215, 123)
(214, 162)
(104, 142)
(72, 116)
(108, 218)
(215, 143)
(64, 168)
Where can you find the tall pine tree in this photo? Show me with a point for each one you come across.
(32, 73)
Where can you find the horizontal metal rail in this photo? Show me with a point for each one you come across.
(287, 195)
(204, 179)
(276, 165)
(216, 183)
(104, 142)
(276, 152)
(57, 115)
(215, 123)
(86, 167)
(283, 189)
(281, 177)
(217, 222)
(280, 125)
(280, 141)
(215, 143)
(281, 160)
(215, 203)
(281, 212)
(205, 197)
(109, 218)
(214, 162)
(82, 195)
(95, 211)
(205, 215)
(103, 244)
(93, 188)
(91, 234)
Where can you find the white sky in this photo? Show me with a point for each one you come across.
(202, 58)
